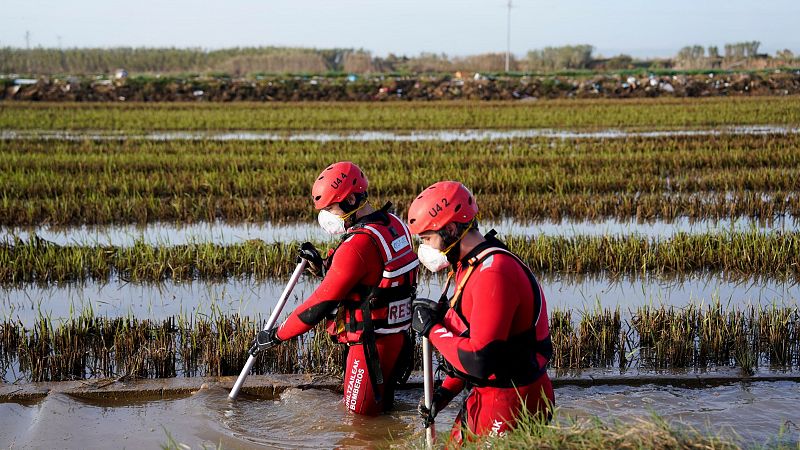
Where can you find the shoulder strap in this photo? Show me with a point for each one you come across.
(475, 261)
(472, 263)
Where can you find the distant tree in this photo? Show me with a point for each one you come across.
(740, 50)
(392, 63)
(785, 54)
(358, 62)
(690, 53)
(619, 62)
(752, 48)
(692, 57)
(557, 58)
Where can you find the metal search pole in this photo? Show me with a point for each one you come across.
(427, 370)
(270, 323)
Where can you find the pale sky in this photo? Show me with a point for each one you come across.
(637, 27)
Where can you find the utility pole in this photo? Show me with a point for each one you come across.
(508, 38)
(28, 53)
(59, 41)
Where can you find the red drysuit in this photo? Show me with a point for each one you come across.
(376, 252)
(496, 338)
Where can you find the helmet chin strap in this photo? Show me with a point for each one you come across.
(347, 217)
(454, 256)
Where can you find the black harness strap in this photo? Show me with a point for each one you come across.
(367, 327)
(515, 345)
(371, 349)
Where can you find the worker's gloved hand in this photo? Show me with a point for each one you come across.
(265, 339)
(441, 398)
(425, 315)
(316, 265)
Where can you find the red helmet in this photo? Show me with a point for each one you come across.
(440, 204)
(336, 182)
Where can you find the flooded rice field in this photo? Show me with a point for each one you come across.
(750, 412)
(412, 136)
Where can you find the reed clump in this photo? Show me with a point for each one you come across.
(9, 338)
(653, 338)
(10, 334)
(524, 207)
(666, 336)
(777, 334)
(599, 332)
(735, 254)
(566, 345)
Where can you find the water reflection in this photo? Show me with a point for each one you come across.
(253, 298)
(583, 293)
(224, 233)
(435, 135)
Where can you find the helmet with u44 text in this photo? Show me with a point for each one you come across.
(336, 182)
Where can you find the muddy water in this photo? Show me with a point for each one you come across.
(298, 419)
(437, 135)
(223, 233)
(753, 412)
(246, 297)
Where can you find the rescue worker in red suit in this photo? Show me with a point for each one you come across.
(493, 332)
(368, 284)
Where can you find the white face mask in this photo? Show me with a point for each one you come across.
(433, 259)
(331, 223)
(436, 260)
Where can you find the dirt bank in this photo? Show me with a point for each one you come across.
(271, 386)
(475, 87)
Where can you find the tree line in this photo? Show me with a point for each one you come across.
(242, 61)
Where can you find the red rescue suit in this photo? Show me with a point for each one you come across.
(366, 298)
(495, 338)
